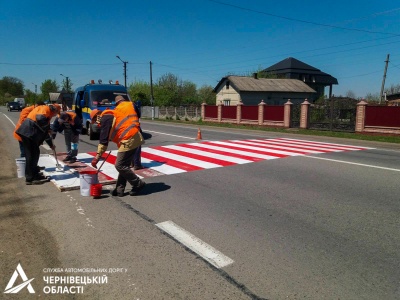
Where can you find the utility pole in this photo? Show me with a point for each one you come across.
(151, 91)
(66, 82)
(384, 78)
(34, 102)
(124, 62)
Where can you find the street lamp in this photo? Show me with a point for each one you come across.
(67, 82)
(124, 62)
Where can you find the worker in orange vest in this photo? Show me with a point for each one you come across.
(34, 130)
(23, 115)
(121, 126)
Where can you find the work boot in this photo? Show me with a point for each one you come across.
(137, 189)
(115, 192)
(72, 160)
(138, 167)
(67, 158)
(41, 177)
(35, 182)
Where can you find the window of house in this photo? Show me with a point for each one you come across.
(227, 85)
(227, 102)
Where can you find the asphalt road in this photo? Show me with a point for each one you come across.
(320, 226)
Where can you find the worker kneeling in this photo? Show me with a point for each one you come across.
(121, 126)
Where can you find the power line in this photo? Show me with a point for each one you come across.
(302, 21)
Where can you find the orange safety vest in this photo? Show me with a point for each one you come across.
(126, 122)
(40, 110)
(72, 115)
(24, 114)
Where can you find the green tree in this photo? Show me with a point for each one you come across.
(11, 87)
(166, 90)
(48, 86)
(206, 94)
(187, 93)
(30, 97)
(140, 90)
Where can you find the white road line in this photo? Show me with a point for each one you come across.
(353, 163)
(209, 253)
(181, 158)
(180, 136)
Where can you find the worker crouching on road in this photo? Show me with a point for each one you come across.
(121, 126)
(34, 130)
(71, 124)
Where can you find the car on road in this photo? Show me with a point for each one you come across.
(14, 106)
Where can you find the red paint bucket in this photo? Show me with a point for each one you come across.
(95, 190)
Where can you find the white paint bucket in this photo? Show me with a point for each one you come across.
(87, 178)
(20, 167)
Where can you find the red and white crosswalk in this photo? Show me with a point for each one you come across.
(174, 159)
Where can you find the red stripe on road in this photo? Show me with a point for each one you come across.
(300, 147)
(216, 161)
(251, 150)
(221, 152)
(171, 162)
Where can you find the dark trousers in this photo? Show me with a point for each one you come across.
(32, 154)
(21, 149)
(137, 157)
(123, 166)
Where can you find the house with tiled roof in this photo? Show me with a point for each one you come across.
(251, 90)
(291, 68)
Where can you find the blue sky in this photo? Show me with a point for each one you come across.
(199, 40)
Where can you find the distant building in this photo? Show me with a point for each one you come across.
(393, 99)
(251, 90)
(63, 98)
(291, 68)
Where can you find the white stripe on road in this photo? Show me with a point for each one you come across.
(184, 137)
(210, 254)
(353, 163)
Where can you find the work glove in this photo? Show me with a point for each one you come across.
(94, 162)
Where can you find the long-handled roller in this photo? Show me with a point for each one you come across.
(98, 170)
(58, 166)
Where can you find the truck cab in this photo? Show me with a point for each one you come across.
(96, 96)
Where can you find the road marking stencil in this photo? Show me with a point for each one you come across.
(189, 157)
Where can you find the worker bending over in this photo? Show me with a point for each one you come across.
(34, 130)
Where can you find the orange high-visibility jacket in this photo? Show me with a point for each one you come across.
(126, 122)
(24, 114)
(37, 125)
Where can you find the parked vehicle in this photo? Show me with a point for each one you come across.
(95, 96)
(14, 106)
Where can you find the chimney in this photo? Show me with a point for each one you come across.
(255, 76)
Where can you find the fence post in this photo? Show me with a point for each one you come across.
(220, 111)
(239, 112)
(287, 113)
(261, 106)
(305, 108)
(360, 116)
(203, 111)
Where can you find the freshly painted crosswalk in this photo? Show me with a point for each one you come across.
(189, 157)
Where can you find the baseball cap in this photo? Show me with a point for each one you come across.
(118, 99)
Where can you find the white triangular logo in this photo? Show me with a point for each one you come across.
(27, 282)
